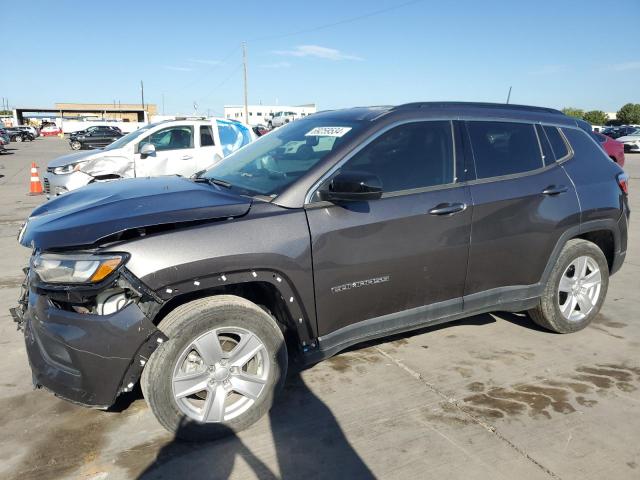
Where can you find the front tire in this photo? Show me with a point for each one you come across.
(76, 145)
(18, 139)
(218, 373)
(575, 290)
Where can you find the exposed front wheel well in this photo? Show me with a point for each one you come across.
(604, 240)
(263, 294)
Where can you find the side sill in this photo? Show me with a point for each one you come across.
(421, 317)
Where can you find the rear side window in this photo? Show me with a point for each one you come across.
(206, 136)
(558, 144)
(414, 155)
(504, 148)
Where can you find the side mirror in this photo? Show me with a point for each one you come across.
(352, 186)
(147, 149)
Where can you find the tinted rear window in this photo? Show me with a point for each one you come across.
(504, 148)
(557, 142)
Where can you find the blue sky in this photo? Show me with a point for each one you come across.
(554, 53)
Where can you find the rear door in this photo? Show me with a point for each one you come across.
(175, 152)
(392, 255)
(523, 201)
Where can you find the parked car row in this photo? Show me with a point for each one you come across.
(19, 134)
(613, 148)
(617, 132)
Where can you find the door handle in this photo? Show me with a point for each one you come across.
(186, 157)
(555, 190)
(448, 208)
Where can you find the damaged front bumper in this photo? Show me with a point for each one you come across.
(57, 184)
(85, 358)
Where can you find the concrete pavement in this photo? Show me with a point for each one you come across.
(491, 396)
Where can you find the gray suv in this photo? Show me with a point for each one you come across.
(335, 229)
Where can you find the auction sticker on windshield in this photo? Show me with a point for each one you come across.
(327, 132)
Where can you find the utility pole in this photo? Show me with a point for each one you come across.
(246, 97)
(162, 103)
(142, 93)
(509, 95)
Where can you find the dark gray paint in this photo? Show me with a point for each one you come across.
(425, 256)
(497, 253)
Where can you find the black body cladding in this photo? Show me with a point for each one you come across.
(475, 212)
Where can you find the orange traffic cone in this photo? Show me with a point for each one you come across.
(35, 188)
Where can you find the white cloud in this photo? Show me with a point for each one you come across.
(276, 65)
(549, 69)
(621, 67)
(318, 52)
(177, 69)
(205, 61)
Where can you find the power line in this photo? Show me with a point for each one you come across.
(339, 22)
(233, 72)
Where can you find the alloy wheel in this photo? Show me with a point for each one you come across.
(579, 288)
(220, 375)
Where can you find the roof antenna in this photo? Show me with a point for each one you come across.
(509, 95)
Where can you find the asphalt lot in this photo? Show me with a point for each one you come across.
(491, 396)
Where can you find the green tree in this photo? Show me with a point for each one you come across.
(573, 112)
(629, 113)
(596, 117)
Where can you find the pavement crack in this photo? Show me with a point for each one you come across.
(475, 419)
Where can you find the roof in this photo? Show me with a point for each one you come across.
(459, 110)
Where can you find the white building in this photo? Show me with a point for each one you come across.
(260, 114)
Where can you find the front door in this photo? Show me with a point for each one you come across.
(406, 250)
(174, 155)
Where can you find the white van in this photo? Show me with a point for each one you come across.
(174, 147)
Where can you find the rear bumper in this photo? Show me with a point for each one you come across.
(84, 358)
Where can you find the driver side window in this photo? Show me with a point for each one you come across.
(172, 138)
(414, 155)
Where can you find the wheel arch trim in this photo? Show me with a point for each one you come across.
(214, 283)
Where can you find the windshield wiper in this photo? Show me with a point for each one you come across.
(214, 181)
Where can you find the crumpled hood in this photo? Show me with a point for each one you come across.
(75, 158)
(85, 216)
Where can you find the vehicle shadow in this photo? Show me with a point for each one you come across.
(306, 436)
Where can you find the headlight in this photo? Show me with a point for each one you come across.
(81, 268)
(74, 167)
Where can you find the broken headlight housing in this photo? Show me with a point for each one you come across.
(75, 268)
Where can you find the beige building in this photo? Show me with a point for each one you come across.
(111, 111)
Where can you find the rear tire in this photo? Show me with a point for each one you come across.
(18, 139)
(192, 329)
(575, 290)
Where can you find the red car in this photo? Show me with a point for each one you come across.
(614, 148)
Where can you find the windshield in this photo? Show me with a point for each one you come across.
(129, 137)
(276, 160)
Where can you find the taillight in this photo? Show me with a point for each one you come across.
(623, 182)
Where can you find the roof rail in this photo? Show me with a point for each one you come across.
(191, 118)
(502, 106)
